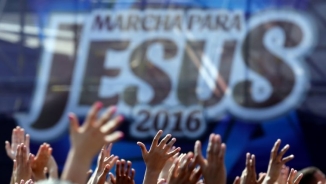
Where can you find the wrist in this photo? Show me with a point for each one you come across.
(76, 164)
(151, 176)
(79, 156)
(268, 180)
(152, 171)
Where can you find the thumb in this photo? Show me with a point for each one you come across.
(8, 148)
(90, 176)
(31, 158)
(261, 178)
(198, 153)
(89, 172)
(236, 180)
(104, 173)
(112, 178)
(73, 123)
(142, 148)
(161, 181)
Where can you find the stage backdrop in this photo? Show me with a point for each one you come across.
(252, 71)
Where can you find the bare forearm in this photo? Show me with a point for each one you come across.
(53, 173)
(151, 176)
(75, 168)
(12, 180)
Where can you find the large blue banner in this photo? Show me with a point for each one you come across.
(252, 71)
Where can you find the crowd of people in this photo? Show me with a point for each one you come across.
(165, 164)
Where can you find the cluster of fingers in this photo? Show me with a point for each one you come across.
(180, 159)
(42, 158)
(215, 145)
(18, 137)
(105, 158)
(166, 143)
(186, 169)
(45, 150)
(293, 177)
(105, 121)
(106, 150)
(30, 181)
(110, 159)
(123, 169)
(250, 161)
(278, 156)
(22, 154)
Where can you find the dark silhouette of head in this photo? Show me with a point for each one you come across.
(312, 175)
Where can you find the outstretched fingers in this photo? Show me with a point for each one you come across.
(128, 170)
(210, 147)
(143, 149)
(157, 138)
(198, 153)
(133, 173)
(107, 115)
(92, 114)
(164, 141)
(253, 164)
(74, 125)
(283, 151)
(291, 178)
(248, 162)
(111, 125)
(113, 137)
(274, 151)
(174, 152)
(118, 168)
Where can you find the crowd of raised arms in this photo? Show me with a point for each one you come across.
(164, 162)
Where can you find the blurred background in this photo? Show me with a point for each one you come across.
(252, 71)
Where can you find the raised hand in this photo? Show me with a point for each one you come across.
(17, 137)
(95, 132)
(186, 174)
(123, 175)
(249, 175)
(157, 156)
(182, 158)
(87, 140)
(23, 164)
(276, 162)
(213, 168)
(104, 162)
(292, 179)
(41, 161)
